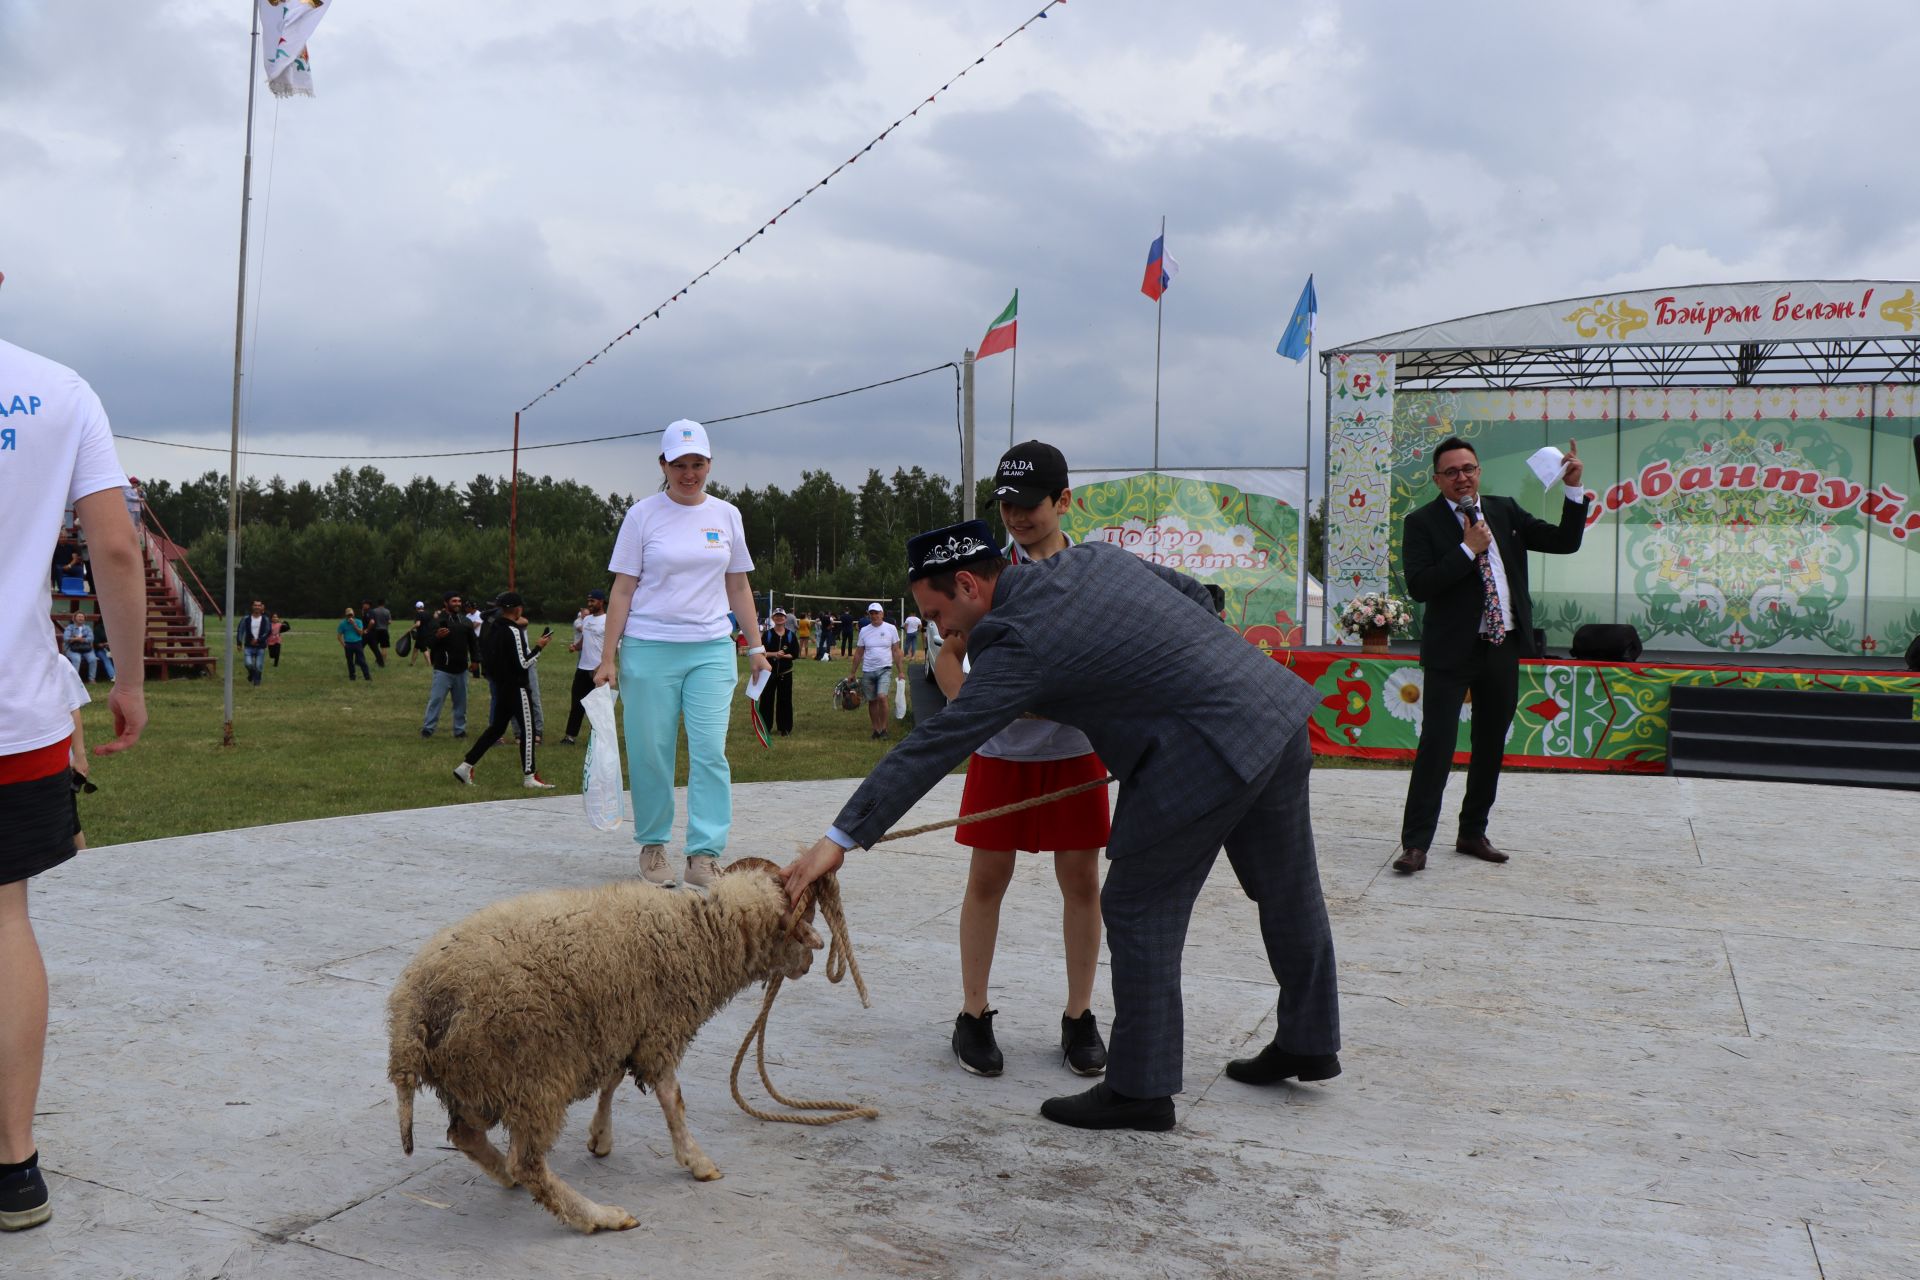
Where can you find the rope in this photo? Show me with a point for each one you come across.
(840, 962)
(1001, 812)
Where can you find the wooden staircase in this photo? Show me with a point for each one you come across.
(174, 643)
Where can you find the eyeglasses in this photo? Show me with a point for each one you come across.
(1460, 473)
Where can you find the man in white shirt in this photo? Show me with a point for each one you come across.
(55, 449)
(589, 641)
(876, 655)
(912, 629)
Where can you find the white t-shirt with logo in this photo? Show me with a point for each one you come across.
(912, 624)
(592, 630)
(55, 449)
(876, 646)
(681, 556)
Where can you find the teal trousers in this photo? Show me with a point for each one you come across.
(662, 684)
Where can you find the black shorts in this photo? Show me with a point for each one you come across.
(37, 824)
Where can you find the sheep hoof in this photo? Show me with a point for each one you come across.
(600, 1146)
(618, 1220)
(707, 1172)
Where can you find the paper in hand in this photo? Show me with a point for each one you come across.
(755, 684)
(1549, 464)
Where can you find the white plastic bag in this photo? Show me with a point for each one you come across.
(900, 699)
(600, 786)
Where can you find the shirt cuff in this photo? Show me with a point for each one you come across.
(1574, 492)
(841, 838)
(1469, 551)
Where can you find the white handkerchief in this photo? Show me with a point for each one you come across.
(1548, 463)
(757, 683)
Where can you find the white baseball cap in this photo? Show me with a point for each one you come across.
(874, 608)
(684, 437)
(419, 604)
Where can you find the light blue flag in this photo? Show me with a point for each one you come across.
(1299, 335)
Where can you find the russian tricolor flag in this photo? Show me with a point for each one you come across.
(1161, 269)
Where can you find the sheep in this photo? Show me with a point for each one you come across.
(539, 1001)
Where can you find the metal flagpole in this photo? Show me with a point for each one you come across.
(1156, 347)
(1013, 387)
(513, 503)
(239, 346)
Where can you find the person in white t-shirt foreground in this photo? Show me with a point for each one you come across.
(1027, 759)
(589, 641)
(679, 564)
(876, 652)
(910, 634)
(55, 449)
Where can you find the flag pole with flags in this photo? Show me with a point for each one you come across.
(1004, 335)
(1161, 269)
(1294, 345)
(278, 28)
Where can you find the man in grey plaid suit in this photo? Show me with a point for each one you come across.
(1208, 738)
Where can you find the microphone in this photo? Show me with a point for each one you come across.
(1471, 510)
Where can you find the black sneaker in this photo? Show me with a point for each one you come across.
(973, 1044)
(23, 1198)
(1081, 1045)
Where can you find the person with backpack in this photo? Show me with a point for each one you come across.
(507, 658)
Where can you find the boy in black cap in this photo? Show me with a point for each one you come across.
(507, 664)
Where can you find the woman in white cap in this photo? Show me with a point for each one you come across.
(679, 564)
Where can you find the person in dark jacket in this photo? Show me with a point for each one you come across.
(453, 650)
(1465, 556)
(776, 700)
(251, 636)
(509, 660)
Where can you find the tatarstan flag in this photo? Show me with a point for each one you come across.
(1003, 332)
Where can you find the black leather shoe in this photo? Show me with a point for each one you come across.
(1410, 861)
(1272, 1065)
(1101, 1108)
(1479, 847)
(973, 1044)
(1081, 1046)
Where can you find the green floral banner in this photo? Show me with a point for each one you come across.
(1237, 529)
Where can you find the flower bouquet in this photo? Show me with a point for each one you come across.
(1372, 618)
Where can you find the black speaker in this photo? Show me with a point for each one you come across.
(1606, 642)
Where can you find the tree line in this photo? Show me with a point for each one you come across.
(313, 550)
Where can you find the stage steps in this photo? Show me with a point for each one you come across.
(1793, 735)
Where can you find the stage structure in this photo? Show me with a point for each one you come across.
(1749, 449)
(1749, 454)
(1239, 529)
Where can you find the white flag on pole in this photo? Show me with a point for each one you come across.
(285, 28)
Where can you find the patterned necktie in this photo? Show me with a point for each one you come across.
(1493, 623)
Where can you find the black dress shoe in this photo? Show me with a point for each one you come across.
(1479, 847)
(1272, 1065)
(1101, 1108)
(1410, 861)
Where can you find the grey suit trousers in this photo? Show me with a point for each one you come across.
(1148, 901)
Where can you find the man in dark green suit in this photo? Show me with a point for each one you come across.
(1465, 557)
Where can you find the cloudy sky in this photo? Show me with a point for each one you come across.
(484, 194)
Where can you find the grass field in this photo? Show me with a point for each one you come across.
(310, 744)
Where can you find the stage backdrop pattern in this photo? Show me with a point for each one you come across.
(1237, 529)
(1724, 520)
(1570, 715)
(1359, 474)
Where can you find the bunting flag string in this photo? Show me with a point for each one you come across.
(562, 444)
(764, 227)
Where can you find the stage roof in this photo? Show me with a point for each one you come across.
(1766, 332)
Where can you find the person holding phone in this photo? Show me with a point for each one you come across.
(508, 663)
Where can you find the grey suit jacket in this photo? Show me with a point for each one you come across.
(1182, 711)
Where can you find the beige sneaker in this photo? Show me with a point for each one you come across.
(700, 870)
(654, 866)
